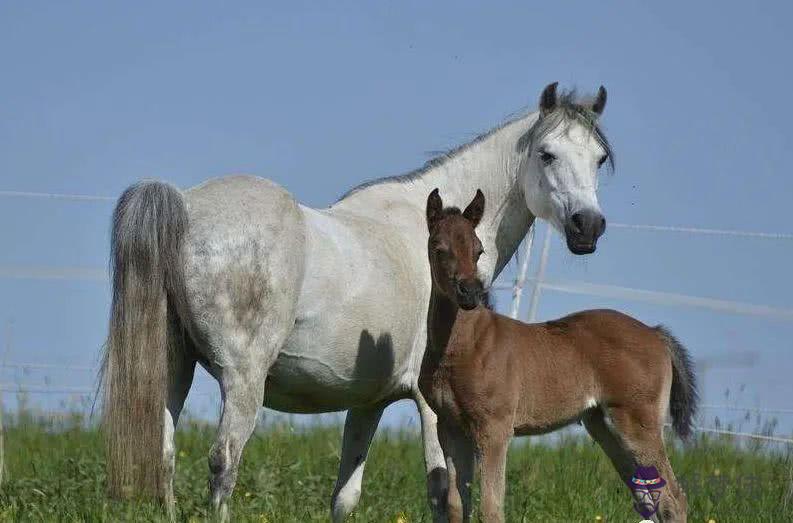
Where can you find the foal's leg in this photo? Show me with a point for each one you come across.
(460, 458)
(434, 460)
(181, 370)
(636, 439)
(642, 431)
(611, 443)
(359, 428)
(492, 466)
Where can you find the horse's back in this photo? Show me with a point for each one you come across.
(244, 257)
(229, 203)
(617, 347)
(606, 326)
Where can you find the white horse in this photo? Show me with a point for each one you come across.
(309, 310)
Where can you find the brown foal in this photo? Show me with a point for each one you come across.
(489, 378)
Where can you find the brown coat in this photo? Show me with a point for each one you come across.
(546, 374)
(489, 377)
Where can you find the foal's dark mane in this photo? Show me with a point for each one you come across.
(451, 211)
(570, 109)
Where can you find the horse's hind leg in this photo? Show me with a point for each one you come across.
(242, 390)
(181, 369)
(359, 428)
(635, 438)
(611, 443)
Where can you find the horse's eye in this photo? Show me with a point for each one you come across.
(547, 158)
(479, 253)
(603, 160)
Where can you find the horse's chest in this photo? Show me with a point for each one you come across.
(437, 385)
(461, 391)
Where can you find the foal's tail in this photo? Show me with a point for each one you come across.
(149, 223)
(684, 397)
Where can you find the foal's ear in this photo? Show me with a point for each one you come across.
(434, 208)
(473, 213)
(548, 99)
(600, 101)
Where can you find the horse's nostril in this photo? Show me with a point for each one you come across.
(587, 222)
(578, 221)
(466, 289)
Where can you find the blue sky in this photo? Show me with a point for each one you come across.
(318, 98)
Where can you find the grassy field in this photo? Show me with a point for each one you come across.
(287, 475)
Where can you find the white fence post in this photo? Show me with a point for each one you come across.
(535, 296)
(520, 278)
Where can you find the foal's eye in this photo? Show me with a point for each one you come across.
(479, 253)
(546, 157)
(603, 160)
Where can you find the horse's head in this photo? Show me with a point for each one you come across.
(566, 149)
(454, 249)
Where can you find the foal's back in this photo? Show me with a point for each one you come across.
(549, 373)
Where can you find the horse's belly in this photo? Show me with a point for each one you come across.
(358, 322)
(321, 371)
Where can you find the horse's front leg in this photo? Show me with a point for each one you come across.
(359, 428)
(434, 460)
(492, 465)
(459, 452)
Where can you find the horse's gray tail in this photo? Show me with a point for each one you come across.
(149, 223)
(684, 397)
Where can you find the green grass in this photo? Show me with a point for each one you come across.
(57, 475)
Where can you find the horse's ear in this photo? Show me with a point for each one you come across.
(434, 208)
(473, 213)
(600, 101)
(548, 99)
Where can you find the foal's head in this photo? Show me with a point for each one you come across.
(454, 249)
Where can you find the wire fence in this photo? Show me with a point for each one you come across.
(539, 284)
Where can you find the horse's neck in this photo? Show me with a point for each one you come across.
(448, 325)
(492, 164)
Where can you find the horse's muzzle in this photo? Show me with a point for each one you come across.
(582, 231)
(469, 294)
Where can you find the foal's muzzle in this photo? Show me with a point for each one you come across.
(469, 293)
(582, 231)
